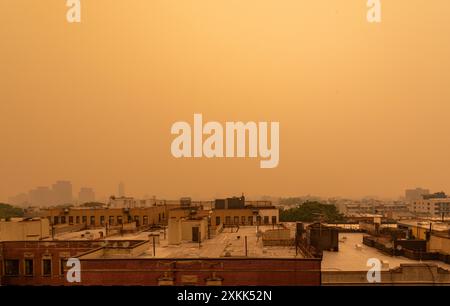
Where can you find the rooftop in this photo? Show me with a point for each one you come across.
(230, 243)
(351, 258)
(436, 225)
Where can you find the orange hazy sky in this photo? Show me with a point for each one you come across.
(363, 108)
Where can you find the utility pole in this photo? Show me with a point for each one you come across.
(246, 252)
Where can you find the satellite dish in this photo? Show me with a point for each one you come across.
(399, 247)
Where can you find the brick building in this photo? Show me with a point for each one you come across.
(96, 217)
(43, 263)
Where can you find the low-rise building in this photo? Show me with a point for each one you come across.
(130, 202)
(193, 229)
(99, 217)
(419, 229)
(433, 205)
(231, 259)
(24, 230)
(440, 242)
(245, 216)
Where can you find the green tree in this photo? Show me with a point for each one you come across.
(312, 211)
(92, 204)
(8, 211)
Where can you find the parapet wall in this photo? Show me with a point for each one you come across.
(406, 274)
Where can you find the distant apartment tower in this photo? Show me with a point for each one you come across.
(86, 195)
(21, 199)
(415, 194)
(62, 192)
(230, 203)
(185, 202)
(121, 190)
(432, 205)
(40, 196)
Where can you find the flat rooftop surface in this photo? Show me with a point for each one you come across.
(80, 235)
(228, 242)
(435, 225)
(349, 258)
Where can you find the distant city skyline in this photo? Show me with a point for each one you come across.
(362, 107)
(89, 194)
(60, 192)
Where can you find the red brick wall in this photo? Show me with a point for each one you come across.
(234, 272)
(139, 272)
(37, 250)
(147, 271)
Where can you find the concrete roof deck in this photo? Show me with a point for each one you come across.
(436, 225)
(349, 258)
(219, 246)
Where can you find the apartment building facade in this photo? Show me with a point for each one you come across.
(99, 217)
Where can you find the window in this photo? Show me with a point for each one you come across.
(92, 220)
(62, 265)
(258, 220)
(145, 221)
(12, 267)
(227, 220)
(243, 220)
(102, 220)
(217, 220)
(77, 219)
(70, 219)
(84, 218)
(250, 220)
(55, 220)
(63, 219)
(159, 217)
(236, 220)
(111, 220)
(119, 219)
(274, 219)
(29, 269)
(136, 219)
(266, 219)
(46, 267)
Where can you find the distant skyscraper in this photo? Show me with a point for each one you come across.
(86, 195)
(20, 199)
(62, 192)
(121, 189)
(415, 194)
(41, 196)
